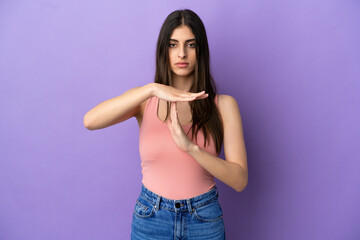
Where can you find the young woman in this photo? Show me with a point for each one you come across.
(183, 124)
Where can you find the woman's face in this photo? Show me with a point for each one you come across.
(182, 48)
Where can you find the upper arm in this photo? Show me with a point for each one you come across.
(136, 112)
(234, 144)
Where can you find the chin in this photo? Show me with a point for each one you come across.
(183, 73)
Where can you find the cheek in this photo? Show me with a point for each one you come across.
(172, 57)
(193, 60)
(192, 55)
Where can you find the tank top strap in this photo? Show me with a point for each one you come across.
(150, 107)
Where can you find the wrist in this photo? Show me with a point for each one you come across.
(152, 88)
(193, 148)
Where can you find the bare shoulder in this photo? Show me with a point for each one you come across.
(229, 110)
(227, 104)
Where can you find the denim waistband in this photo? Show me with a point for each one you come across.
(179, 205)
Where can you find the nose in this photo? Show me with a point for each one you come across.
(182, 52)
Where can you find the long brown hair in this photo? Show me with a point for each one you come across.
(205, 115)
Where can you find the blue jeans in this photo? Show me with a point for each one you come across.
(159, 218)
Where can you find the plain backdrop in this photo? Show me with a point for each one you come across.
(293, 67)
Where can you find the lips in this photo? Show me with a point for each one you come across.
(182, 64)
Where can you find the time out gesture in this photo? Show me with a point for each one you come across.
(174, 95)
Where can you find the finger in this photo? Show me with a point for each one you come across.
(174, 117)
(203, 96)
(200, 97)
(197, 94)
(185, 99)
(168, 123)
(192, 96)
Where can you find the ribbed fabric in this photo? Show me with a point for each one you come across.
(167, 170)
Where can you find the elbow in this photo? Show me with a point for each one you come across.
(242, 183)
(240, 187)
(87, 123)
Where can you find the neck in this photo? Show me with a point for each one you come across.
(183, 82)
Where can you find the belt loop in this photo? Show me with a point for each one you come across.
(189, 205)
(157, 206)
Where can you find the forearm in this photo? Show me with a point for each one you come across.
(232, 174)
(118, 108)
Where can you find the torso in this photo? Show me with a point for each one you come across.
(163, 163)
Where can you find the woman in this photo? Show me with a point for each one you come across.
(183, 123)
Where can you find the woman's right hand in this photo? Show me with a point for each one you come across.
(171, 94)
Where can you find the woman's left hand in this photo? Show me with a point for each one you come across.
(176, 130)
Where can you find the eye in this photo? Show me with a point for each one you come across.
(172, 45)
(192, 45)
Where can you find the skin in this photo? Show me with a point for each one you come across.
(233, 171)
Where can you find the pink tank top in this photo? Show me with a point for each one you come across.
(167, 170)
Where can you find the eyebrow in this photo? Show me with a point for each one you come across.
(189, 40)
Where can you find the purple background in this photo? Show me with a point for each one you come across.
(293, 67)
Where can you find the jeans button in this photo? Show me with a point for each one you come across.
(177, 205)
